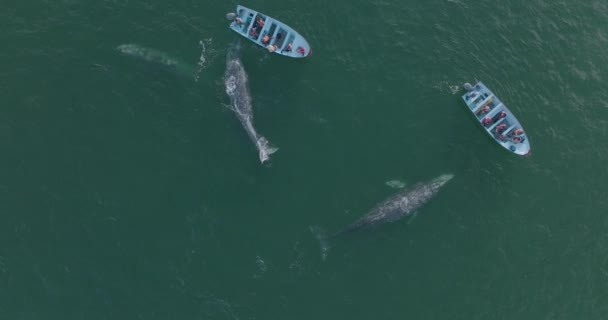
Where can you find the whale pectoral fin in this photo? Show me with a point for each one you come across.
(412, 217)
(272, 150)
(396, 184)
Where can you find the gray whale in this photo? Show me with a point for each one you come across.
(396, 207)
(237, 88)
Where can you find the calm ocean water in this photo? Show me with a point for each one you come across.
(129, 191)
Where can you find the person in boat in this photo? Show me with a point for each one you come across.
(501, 137)
(272, 48)
(253, 32)
(518, 131)
(484, 109)
(516, 139)
(238, 20)
(259, 23)
(266, 39)
(287, 48)
(301, 50)
(486, 121)
(499, 116)
(501, 127)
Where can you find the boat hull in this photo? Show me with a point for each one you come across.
(272, 34)
(496, 119)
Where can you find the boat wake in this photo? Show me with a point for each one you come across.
(237, 89)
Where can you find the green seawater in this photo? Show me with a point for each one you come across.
(128, 190)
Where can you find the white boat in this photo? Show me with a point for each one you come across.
(268, 32)
(497, 120)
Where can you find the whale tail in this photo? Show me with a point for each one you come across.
(321, 236)
(265, 149)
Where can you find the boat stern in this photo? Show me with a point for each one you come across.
(522, 149)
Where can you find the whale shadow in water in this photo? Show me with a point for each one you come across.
(237, 89)
(396, 207)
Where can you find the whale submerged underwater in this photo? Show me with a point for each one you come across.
(235, 81)
(157, 57)
(398, 206)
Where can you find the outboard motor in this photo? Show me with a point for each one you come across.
(230, 16)
(467, 86)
